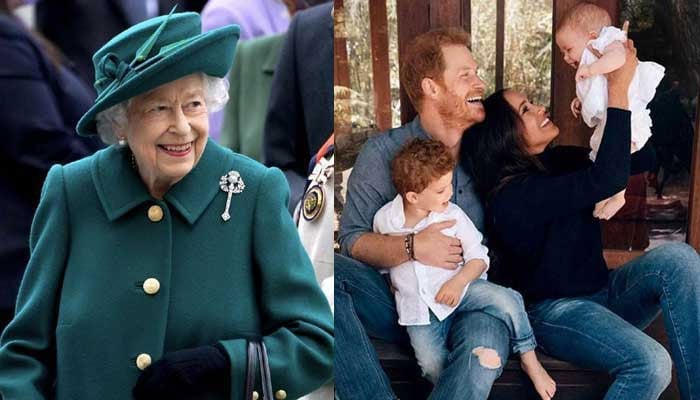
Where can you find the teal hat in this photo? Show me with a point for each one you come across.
(154, 52)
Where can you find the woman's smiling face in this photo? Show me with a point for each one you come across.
(535, 127)
(167, 131)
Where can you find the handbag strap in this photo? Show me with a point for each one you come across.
(252, 365)
(265, 371)
(257, 356)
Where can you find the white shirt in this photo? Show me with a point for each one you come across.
(593, 93)
(417, 284)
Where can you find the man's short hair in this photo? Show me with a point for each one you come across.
(419, 163)
(585, 17)
(424, 59)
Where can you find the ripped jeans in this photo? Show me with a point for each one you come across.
(429, 341)
(364, 307)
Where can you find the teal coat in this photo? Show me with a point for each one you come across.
(83, 316)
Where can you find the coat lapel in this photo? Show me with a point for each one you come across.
(196, 190)
(120, 189)
(118, 184)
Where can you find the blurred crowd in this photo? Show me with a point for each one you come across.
(280, 90)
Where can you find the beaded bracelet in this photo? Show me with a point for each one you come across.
(408, 246)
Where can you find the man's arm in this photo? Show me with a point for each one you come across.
(382, 251)
(369, 188)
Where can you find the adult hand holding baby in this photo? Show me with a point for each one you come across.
(619, 80)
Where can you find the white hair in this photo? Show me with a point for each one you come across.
(215, 96)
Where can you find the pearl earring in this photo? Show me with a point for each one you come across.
(122, 141)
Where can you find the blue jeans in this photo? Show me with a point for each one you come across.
(429, 342)
(364, 306)
(602, 331)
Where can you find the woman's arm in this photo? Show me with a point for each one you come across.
(27, 347)
(540, 198)
(297, 323)
(643, 160)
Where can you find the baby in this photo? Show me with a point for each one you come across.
(427, 296)
(585, 27)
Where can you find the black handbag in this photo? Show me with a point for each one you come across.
(257, 359)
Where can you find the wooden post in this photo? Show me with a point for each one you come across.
(500, 41)
(341, 70)
(413, 18)
(379, 36)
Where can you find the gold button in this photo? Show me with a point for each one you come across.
(155, 213)
(255, 395)
(280, 395)
(151, 286)
(143, 361)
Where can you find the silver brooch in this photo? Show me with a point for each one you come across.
(231, 183)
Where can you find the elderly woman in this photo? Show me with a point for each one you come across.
(156, 260)
(539, 205)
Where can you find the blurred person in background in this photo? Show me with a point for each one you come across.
(80, 27)
(257, 19)
(300, 109)
(41, 102)
(251, 80)
(249, 92)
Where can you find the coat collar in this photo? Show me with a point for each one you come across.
(120, 189)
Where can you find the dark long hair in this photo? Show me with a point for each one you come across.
(493, 150)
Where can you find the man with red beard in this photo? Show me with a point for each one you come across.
(440, 77)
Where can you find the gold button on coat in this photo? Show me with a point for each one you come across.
(255, 395)
(143, 361)
(151, 286)
(280, 395)
(155, 213)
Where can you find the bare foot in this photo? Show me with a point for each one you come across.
(606, 209)
(544, 384)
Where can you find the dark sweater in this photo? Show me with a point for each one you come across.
(541, 228)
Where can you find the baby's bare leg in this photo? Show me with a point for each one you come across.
(544, 384)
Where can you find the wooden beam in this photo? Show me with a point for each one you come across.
(413, 18)
(341, 70)
(693, 236)
(445, 13)
(467, 16)
(500, 41)
(617, 258)
(379, 35)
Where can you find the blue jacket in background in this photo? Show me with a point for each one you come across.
(40, 104)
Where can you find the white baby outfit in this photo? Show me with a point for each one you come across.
(417, 284)
(593, 92)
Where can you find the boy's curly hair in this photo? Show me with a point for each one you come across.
(419, 163)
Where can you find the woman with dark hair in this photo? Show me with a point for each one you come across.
(547, 245)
